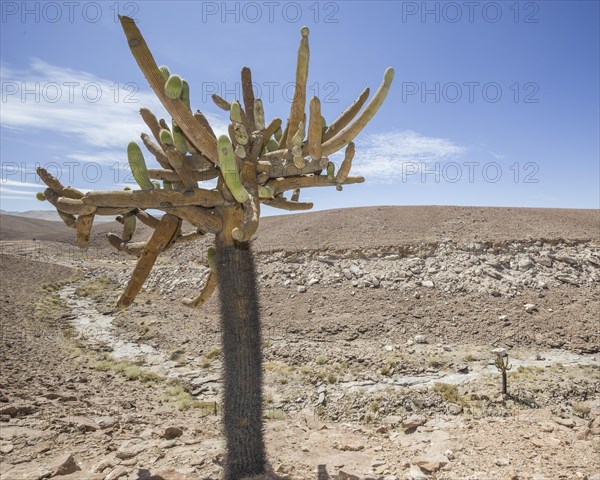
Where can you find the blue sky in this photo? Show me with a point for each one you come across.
(493, 103)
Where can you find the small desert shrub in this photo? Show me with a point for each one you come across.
(175, 355)
(331, 378)
(274, 414)
(97, 288)
(448, 392)
(374, 406)
(321, 359)
(581, 409)
(470, 358)
(434, 362)
(214, 353)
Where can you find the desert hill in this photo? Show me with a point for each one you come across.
(368, 227)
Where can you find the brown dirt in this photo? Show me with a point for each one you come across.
(332, 353)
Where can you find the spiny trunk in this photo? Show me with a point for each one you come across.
(242, 361)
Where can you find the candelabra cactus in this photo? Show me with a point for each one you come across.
(501, 363)
(256, 163)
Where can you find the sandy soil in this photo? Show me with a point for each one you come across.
(370, 371)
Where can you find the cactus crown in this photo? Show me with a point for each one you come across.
(256, 163)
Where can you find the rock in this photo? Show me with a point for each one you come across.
(128, 450)
(341, 475)
(65, 465)
(502, 462)
(538, 442)
(29, 471)
(503, 318)
(524, 263)
(106, 422)
(545, 261)
(432, 463)
(427, 283)
(118, 472)
(392, 420)
(301, 289)
(463, 368)
(172, 432)
(454, 409)
(188, 473)
(565, 422)
(352, 446)
(17, 409)
(416, 473)
(530, 307)
(82, 423)
(413, 421)
(420, 339)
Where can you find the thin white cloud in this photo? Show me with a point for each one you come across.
(384, 157)
(97, 115)
(5, 182)
(10, 191)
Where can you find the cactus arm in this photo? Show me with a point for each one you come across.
(53, 183)
(183, 169)
(315, 130)
(346, 116)
(270, 130)
(152, 123)
(204, 122)
(283, 184)
(284, 204)
(346, 165)
(296, 143)
(147, 219)
(174, 87)
(278, 134)
(221, 102)
(200, 175)
(160, 238)
(129, 224)
(178, 139)
(210, 284)
(204, 219)
(138, 166)
(196, 134)
(185, 94)
(265, 192)
(205, 294)
(235, 112)
(69, 220)
(351, 131)
(152, 198)
(155, 150)
(229, 170)
(67, 205)
(84, 228)
(249, 223)
(330, 172)
(299, 100)
(276, 169)
(259, 115)
(248, 96)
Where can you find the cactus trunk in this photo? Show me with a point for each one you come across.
(240, 325)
